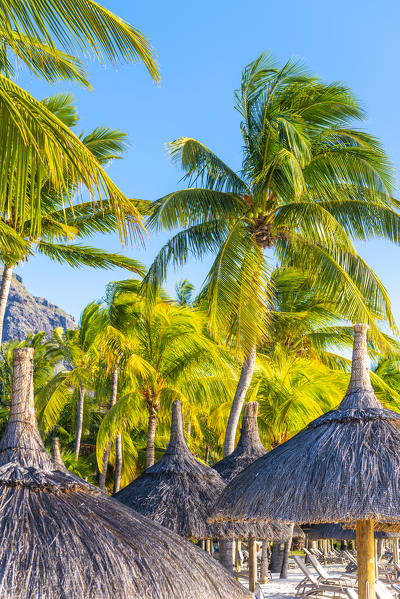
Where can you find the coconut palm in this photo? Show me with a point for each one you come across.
(301, 369)
(60, 224)
(74, 381)
(173, 359)
(309, 183)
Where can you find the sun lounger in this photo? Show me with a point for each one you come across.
(324, 576)
(312, 586)
(381, 591)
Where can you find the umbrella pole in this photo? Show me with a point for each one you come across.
(365, 559)
(252, 564)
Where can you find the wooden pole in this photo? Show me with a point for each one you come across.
(238, 549)
(365, 559)
(395, 556)
(208, 546)
(252, 564)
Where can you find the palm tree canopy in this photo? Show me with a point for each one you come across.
(166, 354)
(61, 224)
(83, 26)
(309, 184)
(37, 149)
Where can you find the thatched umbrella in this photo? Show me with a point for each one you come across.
(343, 467)
(64, 538)
(178, 492)
(249, 449)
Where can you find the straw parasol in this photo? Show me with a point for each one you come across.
(343, 467)
(62, 537)
(178, 492)
(248, 449)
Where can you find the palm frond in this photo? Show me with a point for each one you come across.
(80, 25)
(78, 255)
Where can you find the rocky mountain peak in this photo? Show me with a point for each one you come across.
(26, 313)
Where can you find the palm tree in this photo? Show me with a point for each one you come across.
(301, 369)
(309, 183)
(60, 224)
(74, 381)
(170, 357)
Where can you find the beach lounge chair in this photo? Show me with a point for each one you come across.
(312, 586)
(326, 578)
(381, 591)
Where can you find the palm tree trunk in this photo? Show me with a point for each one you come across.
(277, 556)
(151, 434)
(225, 554)
(244, 383)
(264, 563)
(285, 560)
(118, 463)
(79, 421)
(4, 291)
(113, 400)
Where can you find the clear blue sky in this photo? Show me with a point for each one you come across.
(202, 48)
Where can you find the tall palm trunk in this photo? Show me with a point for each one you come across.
(118, 463)
(113, 401)
(285, 558)
(151, 434)
(244, 383)
(277, 556)
(226, 553)
(79, 421)
(4, 291)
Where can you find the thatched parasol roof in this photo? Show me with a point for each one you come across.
(178, 492)
(248, 449)
(344, 466)
(337, 531)
(64, 538)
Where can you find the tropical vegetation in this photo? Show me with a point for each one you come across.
(310, 183)
(272, 320)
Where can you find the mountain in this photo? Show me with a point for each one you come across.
(26, 313)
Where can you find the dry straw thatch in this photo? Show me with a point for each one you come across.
(343, 467)
(62, 537)
(248, 449)
(178, 492)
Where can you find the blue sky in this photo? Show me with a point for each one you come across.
(201, 48)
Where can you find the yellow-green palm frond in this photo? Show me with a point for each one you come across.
(36, 147)
(79, 25)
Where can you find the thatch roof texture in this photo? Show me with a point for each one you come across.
(344, 466)
(248, 449)
(179, 491)
(62, 537)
